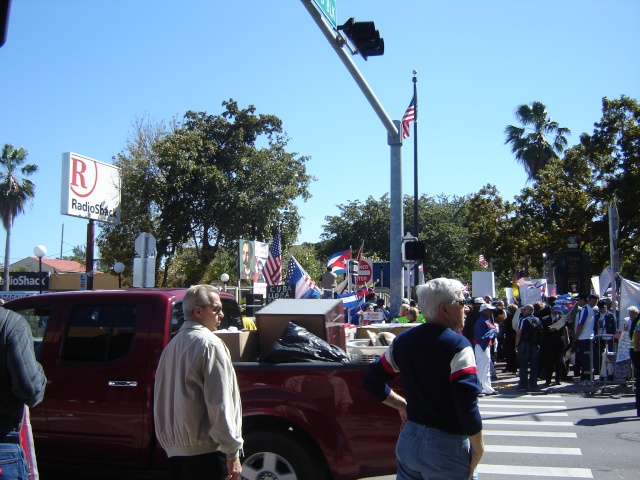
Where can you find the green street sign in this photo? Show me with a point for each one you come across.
(328, 7)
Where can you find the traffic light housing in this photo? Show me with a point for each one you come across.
(354, 267)
(414, 251)
(364, 37)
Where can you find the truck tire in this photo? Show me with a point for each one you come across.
(271, 456)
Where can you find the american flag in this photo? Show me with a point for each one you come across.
(296, 275)
(483, 263)
(409, 116)
(273, 267)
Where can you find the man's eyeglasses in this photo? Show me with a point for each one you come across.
(459, 302)
(214, 308)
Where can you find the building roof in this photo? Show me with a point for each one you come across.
(52, 265)
(63, 265)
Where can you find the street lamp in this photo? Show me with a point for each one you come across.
(224, 278)
(40, 251)
(118, 267)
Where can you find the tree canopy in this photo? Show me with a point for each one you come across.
(538, 141)
(202, 183)
(206, 182)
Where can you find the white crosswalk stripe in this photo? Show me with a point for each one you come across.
(500, 413)
(523, 439)
(538, 472)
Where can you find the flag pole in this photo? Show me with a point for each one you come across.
(415, 169)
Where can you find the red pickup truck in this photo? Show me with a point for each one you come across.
(100, 349)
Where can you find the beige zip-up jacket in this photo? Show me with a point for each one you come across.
(197, 407)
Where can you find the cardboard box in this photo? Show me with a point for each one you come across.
(314, 315)
(242, 345)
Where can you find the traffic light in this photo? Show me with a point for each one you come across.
(414, 251)
(364, 37)
(354, 267)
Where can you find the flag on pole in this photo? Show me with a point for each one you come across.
(305, 287)
(338, 261)
(359, 255)
(409, 116)
(273, 267)
(353, 301)
(483, 263)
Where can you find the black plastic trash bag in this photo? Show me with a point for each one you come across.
(299, 345)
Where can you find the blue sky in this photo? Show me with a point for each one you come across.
(77, 73)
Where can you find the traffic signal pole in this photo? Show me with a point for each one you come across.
(394, 140)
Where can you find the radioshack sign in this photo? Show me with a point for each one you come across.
(90, 189)
(27, 281)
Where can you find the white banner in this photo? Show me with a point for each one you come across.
(532, 293)
(629, 295)
(605, 281)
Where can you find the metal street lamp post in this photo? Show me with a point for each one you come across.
(224, 278)
(40, 251)
(118, 267)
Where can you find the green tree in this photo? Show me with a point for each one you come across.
(141, 180)
(15, 193)
(357, 222)
(307, 257)
(611, 157)
(210, 180)
(487, 218)
(440, 217)
(442, 229)
(539, 140)
(78, 254)
(556, 206)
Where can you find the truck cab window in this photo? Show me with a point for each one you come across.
(37, 318)
(99, 333)
(232, 315)
(177, 318)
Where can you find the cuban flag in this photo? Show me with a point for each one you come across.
(353, 301)
(338, 261)
(305, 287)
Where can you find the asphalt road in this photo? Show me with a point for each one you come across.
(544, 436)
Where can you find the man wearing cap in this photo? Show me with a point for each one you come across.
(584, 336)
(472, 317)
(484, 332)
(528, 350)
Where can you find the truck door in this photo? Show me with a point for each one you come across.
(98, 393)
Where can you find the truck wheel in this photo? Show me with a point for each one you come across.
(276, 457)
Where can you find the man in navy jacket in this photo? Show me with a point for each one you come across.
(442, 431)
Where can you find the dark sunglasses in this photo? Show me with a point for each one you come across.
(214, 308)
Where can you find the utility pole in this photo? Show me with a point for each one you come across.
(394, 140)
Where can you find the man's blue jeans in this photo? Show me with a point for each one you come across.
(425, 453)
(13, 465)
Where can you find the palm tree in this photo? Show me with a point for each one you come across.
(14, 193)
(530, 144)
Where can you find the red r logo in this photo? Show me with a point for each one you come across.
(84, 186)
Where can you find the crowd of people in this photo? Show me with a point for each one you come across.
(545, 341)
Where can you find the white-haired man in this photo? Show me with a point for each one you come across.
(197, 409)
(438, 371)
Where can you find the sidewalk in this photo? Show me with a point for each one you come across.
(507, 384)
